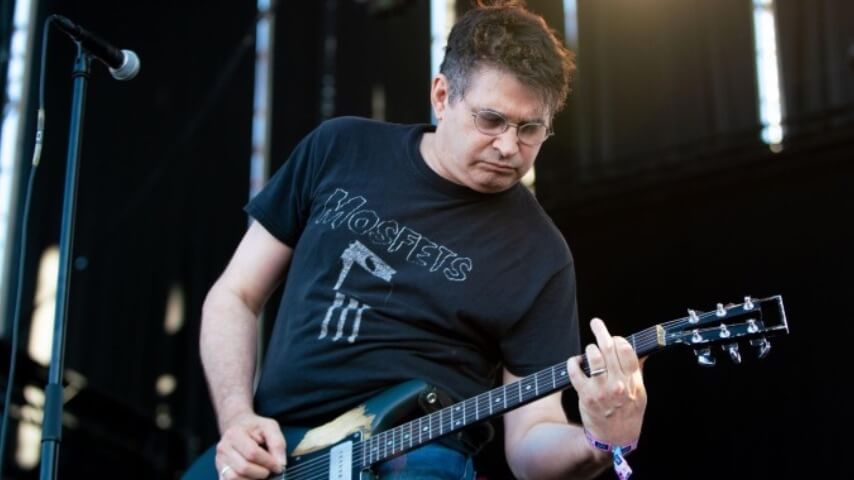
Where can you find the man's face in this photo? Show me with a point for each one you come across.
(483, 162)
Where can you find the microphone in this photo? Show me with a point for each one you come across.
(124, 64)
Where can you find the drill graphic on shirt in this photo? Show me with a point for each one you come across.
(345, 307)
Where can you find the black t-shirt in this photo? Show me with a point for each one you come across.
(398, 273)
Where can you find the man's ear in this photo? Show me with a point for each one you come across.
(439, 94)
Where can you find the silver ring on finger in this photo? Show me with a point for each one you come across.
(597, 372)
(225, 470)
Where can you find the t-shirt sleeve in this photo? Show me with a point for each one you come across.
(284, 205)
(548, 333)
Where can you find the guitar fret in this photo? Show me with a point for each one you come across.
(527, 389)
(378, 446)
(377, 449)
(395, 440)
(447, 420)
(385, 442)
(469, 408)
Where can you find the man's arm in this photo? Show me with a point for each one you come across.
(251, 446)
(539, 441)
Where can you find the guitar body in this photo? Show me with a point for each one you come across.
(314, 452)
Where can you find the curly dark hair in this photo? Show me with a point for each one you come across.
(505, 35)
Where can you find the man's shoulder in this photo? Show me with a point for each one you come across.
(538, 224)
(358, 127)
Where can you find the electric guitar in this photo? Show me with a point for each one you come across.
(347, 447)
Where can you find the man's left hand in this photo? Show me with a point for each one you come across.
(613, 399)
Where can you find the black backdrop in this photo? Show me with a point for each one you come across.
(656, 178)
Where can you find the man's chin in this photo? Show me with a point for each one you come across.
(493, 184)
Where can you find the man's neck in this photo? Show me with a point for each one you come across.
(429, 153)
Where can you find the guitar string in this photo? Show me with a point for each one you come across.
(318, 464)
(644, 339)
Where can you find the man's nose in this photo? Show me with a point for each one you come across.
(508, 142)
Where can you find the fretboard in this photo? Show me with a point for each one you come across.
(489, 404)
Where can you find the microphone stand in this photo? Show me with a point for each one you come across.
(52, 425)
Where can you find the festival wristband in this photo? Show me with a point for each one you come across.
(621, 466)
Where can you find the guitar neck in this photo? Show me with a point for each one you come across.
(487, 405)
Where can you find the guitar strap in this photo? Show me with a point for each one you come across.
(471, 439)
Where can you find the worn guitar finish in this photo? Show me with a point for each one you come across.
(347, 447)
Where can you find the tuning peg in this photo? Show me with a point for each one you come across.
(693, 319)
(748, 303)
(752, 327)
(763, 346)
(734, 354)
(705, 358)
(720, 311)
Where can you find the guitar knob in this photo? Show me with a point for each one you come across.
(705, 358)
(763, 347)
(734, 354)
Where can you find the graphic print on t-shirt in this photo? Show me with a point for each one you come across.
(344, 210)
(357, 253)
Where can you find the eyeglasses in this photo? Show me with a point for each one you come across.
(493, 123)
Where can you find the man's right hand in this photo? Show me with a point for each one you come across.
(251, 447)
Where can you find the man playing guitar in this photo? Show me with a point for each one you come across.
(413, 252)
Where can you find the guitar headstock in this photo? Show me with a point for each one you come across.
(753, 322)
